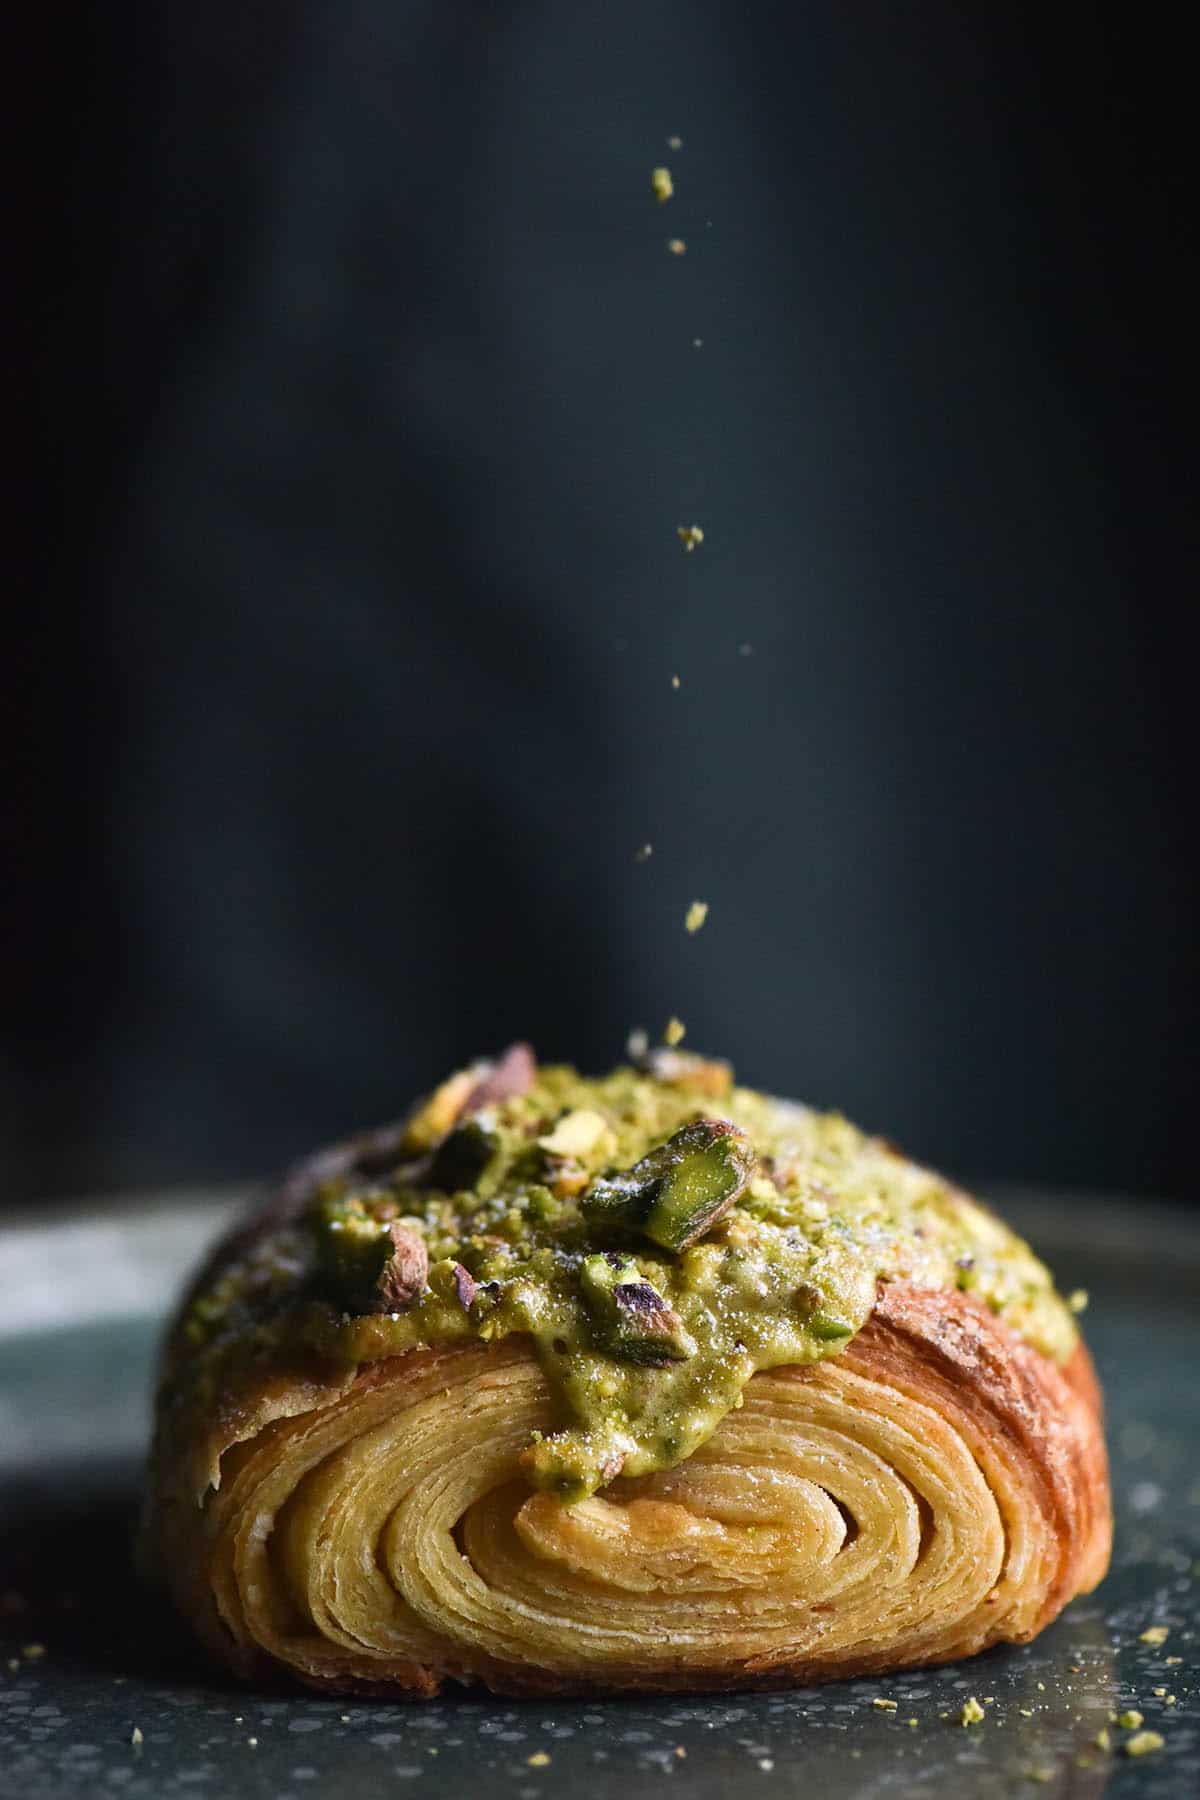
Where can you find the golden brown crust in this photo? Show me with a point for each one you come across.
(371, 1532)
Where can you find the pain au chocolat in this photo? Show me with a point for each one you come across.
(644, 1383)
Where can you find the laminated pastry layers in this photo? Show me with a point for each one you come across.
(648, 1383)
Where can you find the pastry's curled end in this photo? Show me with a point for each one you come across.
(935, 1486)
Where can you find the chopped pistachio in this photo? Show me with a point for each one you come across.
(577, 1133)
(1103, 1739)
(462, 1156)
(1159, 1693)
(660, 181)
(884, 1705)
(1143, 1742)
(972, 1712)
(676, 246)
(1155, 1634)
(539, 1760)
(1129, 1720)
(631, 1318)
(689, 536)
(676, 1193)
(674, 142)
(697, 912)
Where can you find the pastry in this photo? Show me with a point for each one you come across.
(642, 1383)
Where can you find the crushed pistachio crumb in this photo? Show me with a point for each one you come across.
(1041, 1775)
(1159, 1693)
(677, 247)
(1143, 1742)
(972, 1712)
(912, 1724)
(660, 181)
(697, 912)
(1155, 1634)
(33, 1652)
(675, 683)
(253, 1743)
(1170, 1700)
(1103, 1739)
(689, 536)
(884, 1705)
(1026, 1712)
(1173, 1659)
(1130, 1719)
(680, 1751)
(539, 1760)
(1077, 1300)
(674, 142)
(135, 1736)
(644, 853)
(675, 1031)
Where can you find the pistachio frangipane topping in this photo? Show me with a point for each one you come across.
(658, 1233)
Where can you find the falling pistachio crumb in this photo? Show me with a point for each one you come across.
(1103, 1739)
(675, 682)
(33, 1652)
(912, 1724)
(253, 1743)
(1143, 1742)
(680, 1751)
(697, 912)
(1173, 1659)
(14, 1663)
(1155, 1634)
(677, 247)
(660, 181)
(675, 1031)
(689, 536)
(644, 853)
(972, 1712)
(697, 343)
(135, 1736)
(1170, 1700)
(765, 1764)
(884, 1705)
(1077, 1300)
(345, 1718)
(539, 1760)
(674, 142)
(1129, 1720)
(1041, 1775)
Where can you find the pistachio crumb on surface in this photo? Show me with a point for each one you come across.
(972, 1712)
(1142, 1742)
(884, 1705)
(660, 181)
(697, 912)
(539, 1760)
(1153, 1634)
(1130, 1719)
(689, 536)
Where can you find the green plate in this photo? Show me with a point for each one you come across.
(75, 1370)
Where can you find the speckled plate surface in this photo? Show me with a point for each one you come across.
(87, 1658)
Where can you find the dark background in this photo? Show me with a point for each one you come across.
(356, 407)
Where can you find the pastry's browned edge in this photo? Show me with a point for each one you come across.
(945, 1349)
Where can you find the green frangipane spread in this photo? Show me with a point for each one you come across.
(658, 1235)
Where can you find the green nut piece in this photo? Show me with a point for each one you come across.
(353, 1249)
(461, 1157)
(680, 1190)
(629, 1316)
